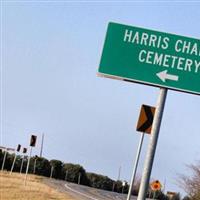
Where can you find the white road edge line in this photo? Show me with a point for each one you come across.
(85, 195)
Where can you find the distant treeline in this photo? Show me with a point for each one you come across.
(63, 171)
(73, 173)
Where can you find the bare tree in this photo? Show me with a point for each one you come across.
(191, 183)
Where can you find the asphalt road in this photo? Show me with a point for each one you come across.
(80, 192)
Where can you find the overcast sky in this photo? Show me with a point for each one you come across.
(50, 56)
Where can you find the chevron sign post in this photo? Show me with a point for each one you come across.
(32, 144)
(144, 125)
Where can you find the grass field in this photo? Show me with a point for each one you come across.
(12, 188)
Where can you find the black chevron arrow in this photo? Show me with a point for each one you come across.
(149, 121)
(33, 140)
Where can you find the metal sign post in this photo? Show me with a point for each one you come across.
(154, 194)
(27, 167)
(13, 164)
(18, 150)
(144, 125)
(123, 185)
(24, 152)
(152, 145)
(22, 164)
(51, 174)
(35, 161)
(66, 173)
(150, 194)
(4, 159)
(32, 144)
(79, 178)
(113, 187)
(135, 166)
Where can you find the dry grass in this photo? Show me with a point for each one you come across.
(12, 188)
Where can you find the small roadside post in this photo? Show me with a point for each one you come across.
(35, 161)
(155, 186)
(24, 152)
(144, 125)
(123, 185)
(51, 174)
(79, 178)
(32, 144)
(113, 186)
(13, 164)
(66, 174)
(4, 158)
(6, 150)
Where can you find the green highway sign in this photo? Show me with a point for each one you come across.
(151, 57)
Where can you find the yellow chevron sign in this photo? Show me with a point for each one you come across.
(145, 120)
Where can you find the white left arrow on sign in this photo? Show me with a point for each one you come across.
(165, 76)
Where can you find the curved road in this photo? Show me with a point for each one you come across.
(80, 192)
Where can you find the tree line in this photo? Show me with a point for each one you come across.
(74, 173)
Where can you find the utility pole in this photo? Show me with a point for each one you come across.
(42, 143)
(119, 173)
(118, 178)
